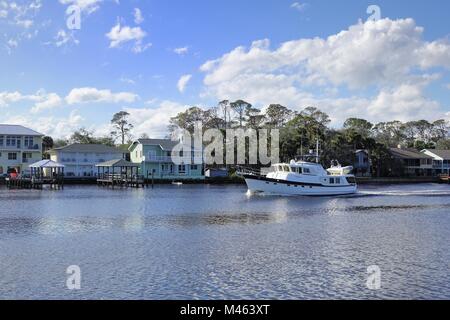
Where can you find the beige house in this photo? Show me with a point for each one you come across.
(19, 147)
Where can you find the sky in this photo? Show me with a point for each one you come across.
(153, 59)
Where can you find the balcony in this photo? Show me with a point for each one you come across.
(187, 159)
(20, 148)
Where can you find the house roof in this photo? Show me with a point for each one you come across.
(11, 129)
(86, 148)
(47, 164)
(166, 144)
(408, 154)
(444, 154)
(117, 163)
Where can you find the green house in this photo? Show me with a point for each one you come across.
(156, 158)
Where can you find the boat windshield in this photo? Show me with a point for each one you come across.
(282, 168)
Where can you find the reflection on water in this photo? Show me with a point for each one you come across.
(206, 242)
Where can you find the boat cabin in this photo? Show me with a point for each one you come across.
(305, 168)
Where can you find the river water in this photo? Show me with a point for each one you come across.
(216, 242)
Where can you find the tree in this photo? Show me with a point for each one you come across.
(240, 107)
(121, 126)
(360, 126)
(82, 136)
(443, 144)
(60, 143)
(278, 115)
(390, 134)
(47, 143)
(187, 120)
(224, 108)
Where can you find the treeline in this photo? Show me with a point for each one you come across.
(299, 131)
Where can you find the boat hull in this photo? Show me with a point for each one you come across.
(258, 184)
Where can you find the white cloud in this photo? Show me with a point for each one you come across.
(64, 38)
(94, 95)
(181, 51)
(154, 121)
(127, 80)
(183, 81)
(387, 56)
(7, 98)
(20, 16)
(49, 101)
(299, 6)
(119, 36)
(27, 23)
(87, 6)
(56, 127)
(138, 18)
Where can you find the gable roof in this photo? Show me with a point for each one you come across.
(12, 129)
(46, 164)
(87, 148)
(408, 154)
(165, 144)
(444, 154)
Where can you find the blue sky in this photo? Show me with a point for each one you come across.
(297, 53)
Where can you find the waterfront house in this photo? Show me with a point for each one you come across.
(155, 158)
(412, 162)
(19, 147)
(441, 160)
(80, 160)
(362, 163)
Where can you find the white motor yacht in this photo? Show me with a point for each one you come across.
(303, 178)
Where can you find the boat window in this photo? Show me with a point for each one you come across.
(306, 170)
(331, 180)
(338, 180)
(287, 168)
(280, 169)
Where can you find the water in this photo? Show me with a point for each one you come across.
(215, 242)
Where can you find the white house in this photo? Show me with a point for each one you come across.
(19, 147)
(441, 160)
(80, 159)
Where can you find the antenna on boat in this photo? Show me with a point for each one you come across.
(317, 150)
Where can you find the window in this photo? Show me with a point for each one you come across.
(331, 180)
(306, 170)
(194, 167)
(182, 169)
(1, 140)
(338, 180)
(26, 156)
(12, 156)
(28, 142)
(297, 170)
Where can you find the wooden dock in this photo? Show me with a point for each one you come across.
(120, 180)
(32, 183)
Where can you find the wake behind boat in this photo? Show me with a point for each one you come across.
(302, 178)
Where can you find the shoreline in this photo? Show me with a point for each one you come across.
(238, 181)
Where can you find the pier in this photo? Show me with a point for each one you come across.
(119, 173)
(45, 172)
